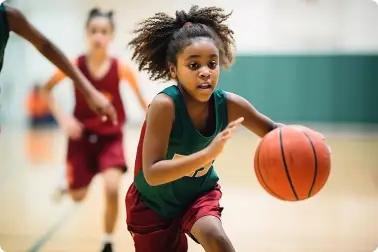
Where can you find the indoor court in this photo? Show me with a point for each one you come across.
(307, 62)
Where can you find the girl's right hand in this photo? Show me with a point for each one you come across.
(73, 128)
(217, 145)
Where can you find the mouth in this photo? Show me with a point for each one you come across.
(204, 86)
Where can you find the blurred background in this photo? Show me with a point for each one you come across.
(311, 62)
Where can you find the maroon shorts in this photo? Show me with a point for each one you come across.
(153, 233)
(92, 154)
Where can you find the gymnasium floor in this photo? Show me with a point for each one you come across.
(342, 217)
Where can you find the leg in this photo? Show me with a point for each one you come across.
(150, 232)
(202, 222)
(79, 169)
(112, 165)
(209, 232)
(112, 177)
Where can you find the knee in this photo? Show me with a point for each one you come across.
(112, 182)
(111, 190)
(216, 238)
(78, 196)
(218, 241)
(112, 179)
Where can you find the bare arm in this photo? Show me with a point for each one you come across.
(253, 120)
(58, 114)
(21, 26)
(156, 169)
(70, 125)
(126, 74)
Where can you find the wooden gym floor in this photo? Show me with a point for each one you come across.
(342, 217)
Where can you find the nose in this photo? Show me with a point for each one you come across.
(204, 74)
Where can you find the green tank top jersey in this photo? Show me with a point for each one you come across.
(4, 33)
(172, 199)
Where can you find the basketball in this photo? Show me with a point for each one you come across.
(292, 162)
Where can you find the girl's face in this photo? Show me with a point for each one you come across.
(99, 33)
(197, 69)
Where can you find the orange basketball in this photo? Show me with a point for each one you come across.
(292, 162)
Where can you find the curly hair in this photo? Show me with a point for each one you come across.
(160, 37)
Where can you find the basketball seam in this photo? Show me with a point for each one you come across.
(261, 176)
(286, 167)
(316, 164)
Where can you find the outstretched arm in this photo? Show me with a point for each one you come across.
(253, 120)
(126, 74)
(21, 26)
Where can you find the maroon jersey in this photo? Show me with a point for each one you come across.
(109, 86)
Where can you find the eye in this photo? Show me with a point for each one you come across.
(93, 31)
(104, 32)
(213, 64)
(194, 66)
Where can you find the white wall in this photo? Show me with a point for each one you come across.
(261, 26)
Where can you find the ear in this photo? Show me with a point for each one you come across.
(172, 70)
